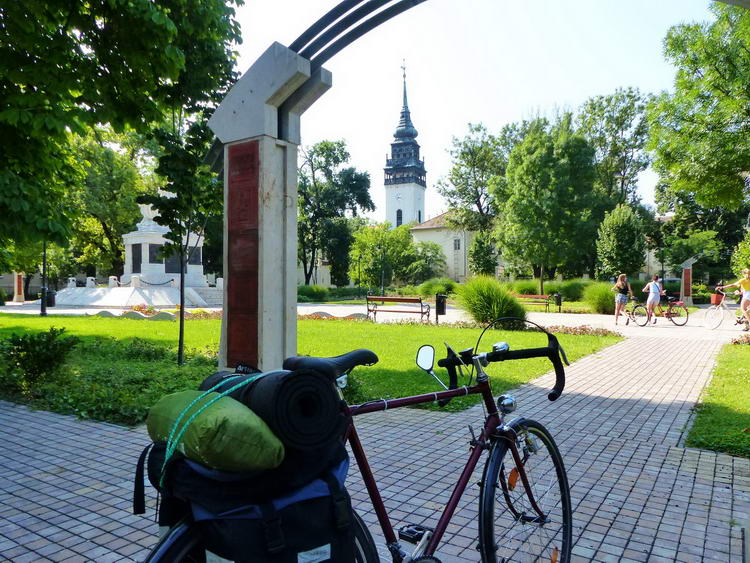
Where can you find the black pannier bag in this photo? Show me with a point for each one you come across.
(299, 512)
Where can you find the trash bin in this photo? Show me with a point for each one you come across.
(558, 301)
(440, 303)
(51, 297)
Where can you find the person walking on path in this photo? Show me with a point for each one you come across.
(655, 291)
(622, 292)
(744, 284)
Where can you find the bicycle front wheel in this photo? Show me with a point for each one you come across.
(640, 315)
(509, 527)
(714, 317)
(678, 314)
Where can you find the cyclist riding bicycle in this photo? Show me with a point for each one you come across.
(744, 285)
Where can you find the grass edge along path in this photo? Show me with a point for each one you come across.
(722, 421)
(123, 366)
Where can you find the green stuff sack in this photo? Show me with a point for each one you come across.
(226, 436)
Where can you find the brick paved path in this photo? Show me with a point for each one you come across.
(65, 485)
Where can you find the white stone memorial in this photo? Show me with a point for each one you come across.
(143, 256)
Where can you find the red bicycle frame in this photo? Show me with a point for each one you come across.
(491, 429)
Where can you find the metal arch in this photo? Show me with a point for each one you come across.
(322, 23)
(360, 30)
(342, 25)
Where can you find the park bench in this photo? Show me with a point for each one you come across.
(536, 300)
(375, 301)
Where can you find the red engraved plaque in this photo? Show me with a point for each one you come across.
(242, 250)
(687, 276)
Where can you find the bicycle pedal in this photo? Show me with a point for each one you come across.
(413, 533)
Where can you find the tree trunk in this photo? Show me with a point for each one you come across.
(541, 279)
(26, 284)
(181, 339)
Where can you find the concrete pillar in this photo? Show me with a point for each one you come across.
(112, 282)
(258, 122)
(135, 281)
(90, 282)
(686, 282)
(18, 287)
(72, 283)
(220, 283)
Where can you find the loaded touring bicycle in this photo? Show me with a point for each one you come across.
(524, 511)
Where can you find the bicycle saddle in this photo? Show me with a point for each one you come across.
(671, 299)
(335, 366)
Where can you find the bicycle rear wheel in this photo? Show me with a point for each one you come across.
(183, 543)
(509, 528)
(714, 317)
(678, 314)
(640, 315)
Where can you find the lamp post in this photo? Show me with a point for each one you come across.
(43, 309)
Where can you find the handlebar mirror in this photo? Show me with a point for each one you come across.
(426, 357)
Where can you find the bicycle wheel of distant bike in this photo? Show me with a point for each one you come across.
(714, 317)
(640, 315)
(510, 528)
(678, 314)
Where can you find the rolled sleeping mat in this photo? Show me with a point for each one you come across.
(302, 408)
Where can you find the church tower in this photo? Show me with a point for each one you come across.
(405, 175)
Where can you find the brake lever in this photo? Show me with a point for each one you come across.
(564, 356)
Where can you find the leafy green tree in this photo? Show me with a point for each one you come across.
(703, 244)
(700, 134)
(338, 238)
(620, 245)
(741, 256)
(380, 254)
(326, 192)
(106, 200)
(69, 65)
(550, 181)
(477, 163)
(193, 194)
(483, 255)
(428, 261)
(616, 126)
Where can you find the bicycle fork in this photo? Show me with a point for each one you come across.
(509, 434)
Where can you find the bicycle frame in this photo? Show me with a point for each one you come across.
(492, 431)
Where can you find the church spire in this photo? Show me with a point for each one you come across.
(405, 129)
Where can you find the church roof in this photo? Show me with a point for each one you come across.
(439, 222)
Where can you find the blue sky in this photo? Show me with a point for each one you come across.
(470, 61)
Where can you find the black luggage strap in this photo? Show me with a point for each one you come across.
(272, 529)
(139, 492)
(341, 506)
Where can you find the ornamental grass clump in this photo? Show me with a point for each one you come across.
(600, 298)
(486, 300)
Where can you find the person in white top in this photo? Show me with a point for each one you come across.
(655, 291)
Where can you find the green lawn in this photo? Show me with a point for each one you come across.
(723, 416)
(123, 366)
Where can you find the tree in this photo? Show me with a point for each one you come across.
(325, 193)
(549, 181)
(477, 163)
(338, 237)
(428, 261)
(700, 134)
(703, 244)
(741, 256)
(69, 65)
(380, 254)
(620, 244)
(616, 126)
(483, 255)
(193, 194)
(106, 200)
